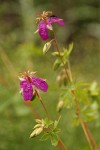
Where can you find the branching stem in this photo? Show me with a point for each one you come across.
(81, 120)
(60, 142)
(60, 145)
(86, 130)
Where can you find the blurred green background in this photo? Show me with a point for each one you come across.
(20, 50)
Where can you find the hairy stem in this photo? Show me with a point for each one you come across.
(81, 121)
(42, 104)
(61, 145)
(60, 141)
(56, 44)
(91, 136)
(87, 132)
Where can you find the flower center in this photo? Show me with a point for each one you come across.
(29, 79)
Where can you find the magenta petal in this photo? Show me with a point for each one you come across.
(27, 92)
(40, 84)
(55, 19)
(23, 83)
(43, 30)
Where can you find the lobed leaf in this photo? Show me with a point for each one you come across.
(56, 122)
(70, 48)
(56, 64)
(45, 137)
(48, 122)
(54, 139)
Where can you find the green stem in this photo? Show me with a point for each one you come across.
(70, 73)
(57, 47)
(60, 141)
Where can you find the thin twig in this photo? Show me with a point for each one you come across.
(42, 104)
(91, 136)
(61, 145)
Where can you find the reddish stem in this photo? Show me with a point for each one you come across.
(87, 132)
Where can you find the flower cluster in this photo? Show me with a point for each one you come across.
(29, 85)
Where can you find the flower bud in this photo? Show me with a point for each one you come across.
(61, 78)
(39, 130)
(60, 105)
(36, 132)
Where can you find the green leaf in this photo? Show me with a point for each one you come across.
(56, 130)
(56, 122)
(57, 54)
(56, 64)
(90, 112)
(69, 101)
(45, 137)
(46, 47)
(82, 95)
(60, 105)
(54, 139)
(67, 97)
(48, 122)
(93, 89)
(70, 48)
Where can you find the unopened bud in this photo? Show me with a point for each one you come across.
(39, 130)
(36, 132)
(58, 79)
(62, 78)
(46, 47)
(60, 105)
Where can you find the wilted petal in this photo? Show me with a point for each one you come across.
(55, 19)
(27, 92)
(43, 31)
(40, 84)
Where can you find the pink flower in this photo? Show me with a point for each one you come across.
(45, 24)
(29, 85)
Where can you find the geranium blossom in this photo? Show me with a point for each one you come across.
(46, 23)
(30, 84)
